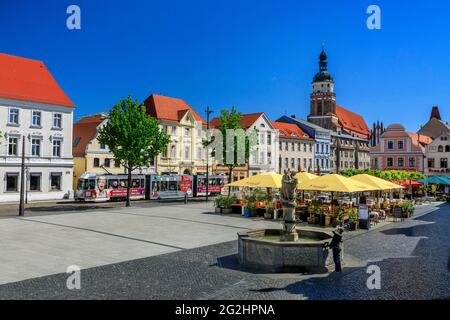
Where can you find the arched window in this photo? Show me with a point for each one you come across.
(440, 149)
(447, 148)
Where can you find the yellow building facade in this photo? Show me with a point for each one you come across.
(89, 155)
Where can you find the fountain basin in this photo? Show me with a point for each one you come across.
(259, 249)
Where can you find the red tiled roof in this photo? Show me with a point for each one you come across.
(423, 139)
(84, 131)
(167, 108)
(246, 122)
(351, 121)
(29, 80)
(290, 131)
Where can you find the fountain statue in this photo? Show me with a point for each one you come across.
(289, 184)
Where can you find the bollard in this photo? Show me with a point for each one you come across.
(185, 198)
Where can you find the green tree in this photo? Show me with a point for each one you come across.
(230, 120)
(132, 136)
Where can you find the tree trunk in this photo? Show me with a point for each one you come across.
(230, 177)
(129, 187)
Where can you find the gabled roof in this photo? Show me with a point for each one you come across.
(290, 131)
(351, 121)
(84, 131)
(246, 122)
(167, 108)
(29, 80)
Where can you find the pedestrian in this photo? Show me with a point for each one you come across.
(336, 246)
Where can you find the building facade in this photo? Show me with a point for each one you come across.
(185, 153)
(400, 150)
(88, 154)
(296, 148)
(34, 111)
(437, 156)
(435, 126)
(322, 143)
(263, 156)
(350, 138)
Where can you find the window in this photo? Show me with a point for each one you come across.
(116, 164)
(293, 163)
(57, 148)
(173, 151)
(173, 130)
(310, 148)
(286, 146)
(57, 120)
(36, 118)
(431, 163)
(412, 162)
(107, 163)
(390, 144)
(13, 116)
(447, 148)
(35, 182)
(187, 152)
(286, 163)
(310, 163)
(400, 144)
(269, 139)
(36, 147)
(440, 149)
(390, 162)
(322, 162)
(55, 181)
(261, 138)
(11, 182)
(12, 146)
(187, 132)
(269, 157)
(444, 163)
(401, 162)
(102, 146)
(164, 153)
(96, 162)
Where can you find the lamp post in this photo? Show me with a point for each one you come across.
(208, 112)
(22, 181)
(27, 170)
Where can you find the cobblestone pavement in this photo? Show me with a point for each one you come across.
(413, 256)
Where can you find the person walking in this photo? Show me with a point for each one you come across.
(336, 246)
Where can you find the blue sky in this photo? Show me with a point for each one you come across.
(256, 55)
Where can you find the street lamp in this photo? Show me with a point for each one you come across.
(208, 112)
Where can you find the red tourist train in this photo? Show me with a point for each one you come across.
(94, 187)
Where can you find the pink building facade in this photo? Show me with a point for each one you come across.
(399, 150)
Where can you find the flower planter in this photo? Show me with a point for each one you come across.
(227, 210)
(327, 221)
(267, 215)
(218, 210)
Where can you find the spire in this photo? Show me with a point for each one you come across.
(323, 61)
(435, 113)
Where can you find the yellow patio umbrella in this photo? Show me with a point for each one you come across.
(334, 183)
(376, 183)
(304, 176)
(263, 180)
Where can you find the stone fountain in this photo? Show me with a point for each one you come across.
(285, 250)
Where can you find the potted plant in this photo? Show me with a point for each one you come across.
(313, 210)
(407, 208)
(227, 203)
(269, 210)
(218, 203)
(338, 217)
(353, 217)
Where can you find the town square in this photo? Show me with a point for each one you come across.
(294, 152)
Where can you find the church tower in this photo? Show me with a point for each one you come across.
(323, 98)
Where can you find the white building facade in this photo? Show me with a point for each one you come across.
(437, 156)
(45, 128)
